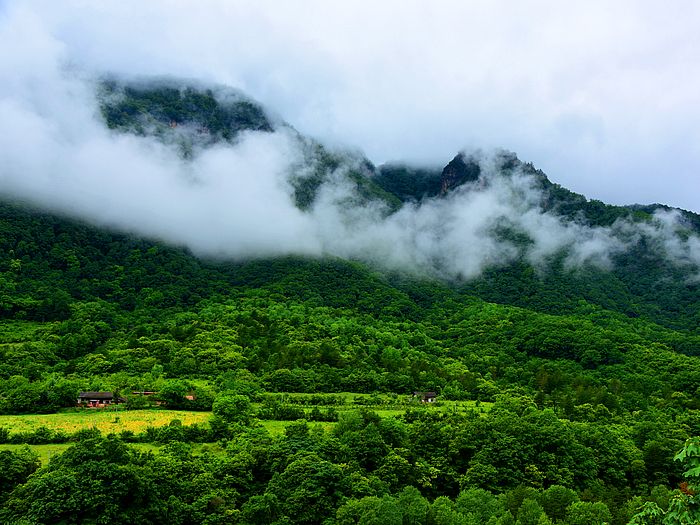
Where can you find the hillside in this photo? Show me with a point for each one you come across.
(587, 357)
(85, 308)
(96, 302)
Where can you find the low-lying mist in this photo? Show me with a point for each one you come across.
(235, 200)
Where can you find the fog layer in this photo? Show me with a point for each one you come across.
(236, 201)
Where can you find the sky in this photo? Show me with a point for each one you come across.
(603, 99)
(602, 96)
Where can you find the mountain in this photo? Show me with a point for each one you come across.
(194, 116)
(574, 346)
(652, 275)
(163, 108)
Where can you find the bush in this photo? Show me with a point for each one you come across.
(40, 436)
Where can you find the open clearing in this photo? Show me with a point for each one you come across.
(115, 421)
(105, 420)
(46, 452)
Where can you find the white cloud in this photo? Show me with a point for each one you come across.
(603, 97)
(402, 80)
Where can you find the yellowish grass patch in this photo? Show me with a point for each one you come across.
(106, 421)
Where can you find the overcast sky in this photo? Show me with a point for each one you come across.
(603, 96)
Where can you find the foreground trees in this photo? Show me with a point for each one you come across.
(593, 376)
(365, 470)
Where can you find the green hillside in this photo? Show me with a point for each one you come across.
(84, 308)
(562, 393)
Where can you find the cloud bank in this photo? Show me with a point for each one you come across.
(235, 201)
(605, 99)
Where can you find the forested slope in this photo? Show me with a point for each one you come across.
(590, 371)
(85, 308)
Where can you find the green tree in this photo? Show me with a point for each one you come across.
(414, 506)
(370, 510)
(173, 393)
(684, 507)
(588, 513)
(15, 468)
(232, 408)
(443, 512)
(309, 489)
(555, 500)
(479, 503)
(530, 513)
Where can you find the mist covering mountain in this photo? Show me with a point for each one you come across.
(208, 168)
(172, 237)
(479, 210)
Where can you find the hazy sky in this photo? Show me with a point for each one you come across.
(605, 107)
(603, 96)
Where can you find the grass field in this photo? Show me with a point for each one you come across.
(383, 402)
(276, 428)
(46, 452)
(106, 421)
(115, 421)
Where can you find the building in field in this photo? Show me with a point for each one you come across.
(98, 399)
(425, 397)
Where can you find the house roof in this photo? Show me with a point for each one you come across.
(96, 395)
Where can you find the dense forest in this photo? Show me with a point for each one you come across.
(563, 394)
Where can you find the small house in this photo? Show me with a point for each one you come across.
(425, 397)
(98, 399)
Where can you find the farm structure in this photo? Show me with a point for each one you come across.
(425, 397)
(99, 399)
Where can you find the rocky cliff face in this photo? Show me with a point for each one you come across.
(459, 170)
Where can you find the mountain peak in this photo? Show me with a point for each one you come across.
(458, 171)
(187, 112)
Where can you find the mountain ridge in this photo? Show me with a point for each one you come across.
(216, 114)
(554, 375)
(637, 263)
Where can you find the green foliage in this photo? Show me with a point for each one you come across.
(321, 164)
(16, 467)
(104, 481)
(308, 489)
(232, 408)
(409, 183)
(166, 106)
(684, 507)
(593, 378)
(371, 510)
(586, 513)
(555, 500)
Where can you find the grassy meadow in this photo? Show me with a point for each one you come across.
(46, 452)
(105, 420)
(109, 420)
